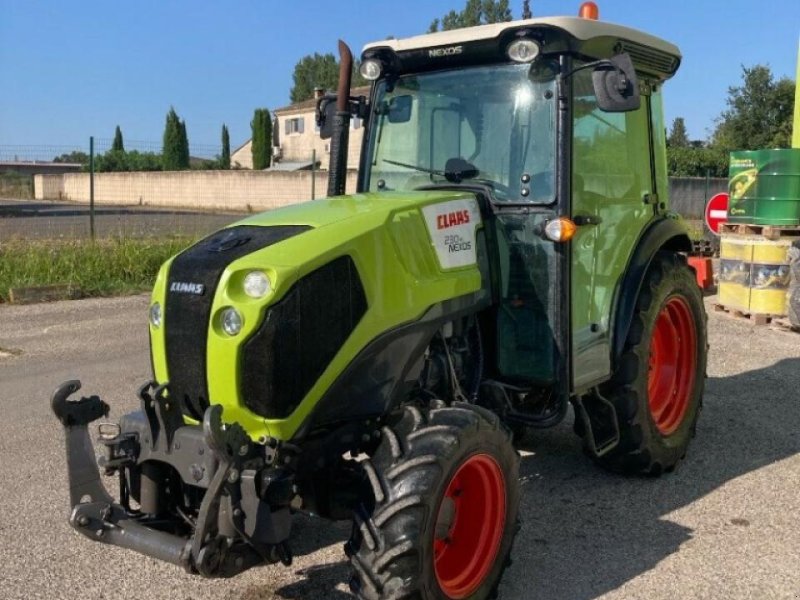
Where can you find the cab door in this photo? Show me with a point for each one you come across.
(612, 200)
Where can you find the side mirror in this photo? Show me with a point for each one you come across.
(615, 85)
(326, 111)
(400, 109)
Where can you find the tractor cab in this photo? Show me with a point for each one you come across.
(557, 125)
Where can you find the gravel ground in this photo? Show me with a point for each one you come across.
(725, 525)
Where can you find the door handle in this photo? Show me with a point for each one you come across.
(581, 220)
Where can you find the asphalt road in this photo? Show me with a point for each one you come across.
(52, 220)
(725, 525)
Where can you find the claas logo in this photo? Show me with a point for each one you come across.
(459, 217)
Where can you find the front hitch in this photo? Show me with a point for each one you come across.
(231, 519)
(75, 416)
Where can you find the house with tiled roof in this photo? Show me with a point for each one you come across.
(295, 139)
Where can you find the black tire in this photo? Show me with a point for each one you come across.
(651, 446)
(392, 545)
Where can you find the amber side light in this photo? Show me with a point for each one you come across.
(561, 229)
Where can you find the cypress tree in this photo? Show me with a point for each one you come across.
(117, 145)
(184, 147)
(171, 149)
(526, 10)
(225, 159)
(262, 139)
(175, 150)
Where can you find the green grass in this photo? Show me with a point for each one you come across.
(101, 268)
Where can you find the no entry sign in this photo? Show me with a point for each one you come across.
(717, 212)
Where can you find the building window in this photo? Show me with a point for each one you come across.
(295, 125)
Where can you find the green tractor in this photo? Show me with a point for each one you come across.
(509, 252)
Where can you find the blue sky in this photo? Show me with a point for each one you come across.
(74, 69)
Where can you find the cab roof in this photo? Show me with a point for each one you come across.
(593, 38)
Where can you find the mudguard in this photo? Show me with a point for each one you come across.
(666, 233)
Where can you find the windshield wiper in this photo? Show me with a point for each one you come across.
(455, 169)
(415, 167)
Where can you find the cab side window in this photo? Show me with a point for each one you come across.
(611, 151)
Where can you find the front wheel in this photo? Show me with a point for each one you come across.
(443, 515)
(657, 389)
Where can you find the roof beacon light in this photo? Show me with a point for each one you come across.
(523, 51)
(371, 69)
(589, 10)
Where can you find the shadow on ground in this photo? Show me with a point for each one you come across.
(586, 532)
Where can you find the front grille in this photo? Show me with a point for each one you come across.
(299, 337)
(192, 281)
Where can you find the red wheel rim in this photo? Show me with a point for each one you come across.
(673, 356)
(469, 526)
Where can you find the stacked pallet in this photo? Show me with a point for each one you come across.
(759, 274)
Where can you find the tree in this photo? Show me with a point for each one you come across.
(117, 145)
(175, 150)
(476, 12)
(678, 138)
(526, 10)
(117, 160)
(185, 163)
(225, 158)
(76, 156)
(318, 70)
(688, 161)
(262, 138)
(759, 113)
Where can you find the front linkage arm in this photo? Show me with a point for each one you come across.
(208, 550)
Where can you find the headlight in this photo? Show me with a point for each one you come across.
(523, 51)
(155, 314)
(231, 321)
(257, 284)
(371, 69)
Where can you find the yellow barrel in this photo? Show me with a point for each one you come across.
(736, 248)
(769, 277)
(754, 274)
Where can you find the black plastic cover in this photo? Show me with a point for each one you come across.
(192, 281)
(299, 337)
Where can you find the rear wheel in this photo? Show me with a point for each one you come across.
(443, 515)
(658, 387)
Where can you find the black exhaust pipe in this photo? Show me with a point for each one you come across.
(337, 173)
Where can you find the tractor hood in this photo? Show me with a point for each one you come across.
(372, 207)
(329, 222)
(342, 271)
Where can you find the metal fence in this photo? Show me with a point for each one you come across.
(91, 191)
(57, 192)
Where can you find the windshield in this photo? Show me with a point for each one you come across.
(488, 125)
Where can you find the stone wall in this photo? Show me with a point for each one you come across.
(245, 190)
(202, 190)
